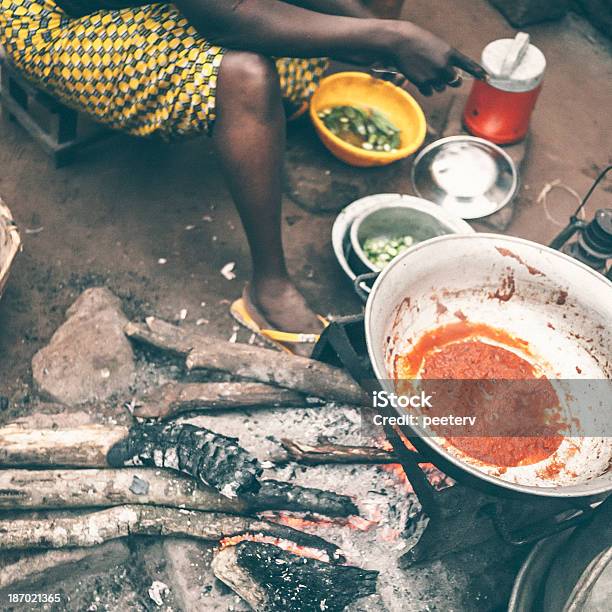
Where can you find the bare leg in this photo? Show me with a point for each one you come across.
(250, 137)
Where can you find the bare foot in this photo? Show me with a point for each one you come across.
(284, 307)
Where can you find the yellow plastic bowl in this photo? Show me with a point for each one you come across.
(360, 89)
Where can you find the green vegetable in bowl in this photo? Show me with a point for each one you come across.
(366, 128)
(381, 250)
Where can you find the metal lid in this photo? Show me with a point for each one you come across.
(514, 64)
(468, 176)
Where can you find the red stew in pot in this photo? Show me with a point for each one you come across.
(515, 410)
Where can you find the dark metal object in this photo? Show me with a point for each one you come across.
(581, 561)
(594, 244)
(61, 139)
(561, 571)
(362, 280)
(526, 593)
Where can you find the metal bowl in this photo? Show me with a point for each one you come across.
(341, 231)
(468, 176)
(418, 218)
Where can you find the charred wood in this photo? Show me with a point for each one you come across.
(273, 580)
(275, 495)
(209, 457)
(334, 453)
(212, 459)
(28, 570)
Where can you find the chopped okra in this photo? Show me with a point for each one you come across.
(381, 250)
(365, 128)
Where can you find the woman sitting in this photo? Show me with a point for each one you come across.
(228, 68)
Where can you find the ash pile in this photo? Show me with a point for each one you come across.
(161, 468)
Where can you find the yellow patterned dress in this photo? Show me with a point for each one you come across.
(141, 70)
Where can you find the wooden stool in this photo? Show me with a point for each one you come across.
(52, 124)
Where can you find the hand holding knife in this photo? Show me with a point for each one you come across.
(460, 63)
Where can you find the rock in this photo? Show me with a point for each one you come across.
(598, 12)
(88, 358)
(527, 12)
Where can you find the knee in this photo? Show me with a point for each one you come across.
(250, 78)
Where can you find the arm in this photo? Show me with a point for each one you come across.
(277, 28)
(348, 8)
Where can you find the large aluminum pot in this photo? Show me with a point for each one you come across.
(560, 306)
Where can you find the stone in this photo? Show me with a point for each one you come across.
(598, 12)
(88, 358)
(527, 12)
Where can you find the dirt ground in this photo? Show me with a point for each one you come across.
(126, 204)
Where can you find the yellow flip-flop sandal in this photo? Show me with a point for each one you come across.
(245, 312)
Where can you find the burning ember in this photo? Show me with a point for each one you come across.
(299, 522)
(286, 545)
(439, 480)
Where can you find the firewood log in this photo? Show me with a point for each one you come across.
(213, 459)
(85, 446)
(273, 580)
(94, 528)
(285, 496)
(209, 457)
(300, 374)
(334, 453)
(177, 398)
(70, 489)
